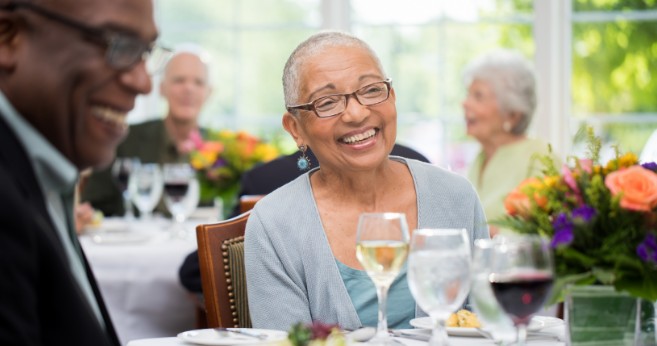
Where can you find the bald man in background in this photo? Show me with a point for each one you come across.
(186, 87)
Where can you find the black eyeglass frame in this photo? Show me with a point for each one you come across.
(310, 106)
(109, 39)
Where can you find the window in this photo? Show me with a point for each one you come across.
(614, 56)
(595, 62)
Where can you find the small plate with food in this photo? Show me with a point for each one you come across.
(465, 323)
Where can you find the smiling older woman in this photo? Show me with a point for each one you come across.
(300, 245)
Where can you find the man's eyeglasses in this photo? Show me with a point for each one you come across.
(332, 105)
(122, 51)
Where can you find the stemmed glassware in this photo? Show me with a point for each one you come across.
(521, 277)
(493, 319)
(439, 275)
(121, 171)
(181, 193)
(382, 248)
(146, 185)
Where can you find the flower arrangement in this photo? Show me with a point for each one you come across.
(601, 220)
(222, 157)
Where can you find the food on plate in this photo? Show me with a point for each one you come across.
(464, 319)
(315, 334)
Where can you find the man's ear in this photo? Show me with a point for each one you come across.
(292, 126)
(9, 40)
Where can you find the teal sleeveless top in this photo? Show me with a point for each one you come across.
(400, 306)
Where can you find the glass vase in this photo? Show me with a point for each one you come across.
(601, 316)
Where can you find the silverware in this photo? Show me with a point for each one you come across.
(410, 335)
(533, 335)
(361, 334)
(244, 332)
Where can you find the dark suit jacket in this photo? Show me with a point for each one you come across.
(262, 180)
(40, 300)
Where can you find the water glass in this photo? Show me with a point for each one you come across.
(439, 275)
(493, 319)
(146, 185)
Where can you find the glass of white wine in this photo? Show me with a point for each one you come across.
(382, 248)
(439, 275)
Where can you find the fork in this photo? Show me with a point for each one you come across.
(252, 334)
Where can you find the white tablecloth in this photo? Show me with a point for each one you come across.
(137, 271)
(453, 340)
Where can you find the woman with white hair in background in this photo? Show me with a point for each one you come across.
(499, 106)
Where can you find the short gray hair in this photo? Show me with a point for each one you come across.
(513, 81)
(311, 47)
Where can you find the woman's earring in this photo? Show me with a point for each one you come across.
(507, 126)
(303, 163)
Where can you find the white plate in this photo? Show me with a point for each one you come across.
(119, 237)
(109, 225)
(425, 323)
(213, 337)
(548, 321)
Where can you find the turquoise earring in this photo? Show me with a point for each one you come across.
(303, 163)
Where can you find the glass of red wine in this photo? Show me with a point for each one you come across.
(181, 192)
(521, 277)
(122, 168)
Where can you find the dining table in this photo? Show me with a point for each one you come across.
(136, 264)
(553, 334)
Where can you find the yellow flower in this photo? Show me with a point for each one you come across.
(551, 181)
(627, 160)
(265, 152)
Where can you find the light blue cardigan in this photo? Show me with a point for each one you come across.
(291, 272)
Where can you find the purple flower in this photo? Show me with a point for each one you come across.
(647, 250)
(219, 163)
(562, 222)
(563, 231)
(584, 213)
(562, 238)
(650, 166)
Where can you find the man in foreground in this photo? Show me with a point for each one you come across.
(70, 72)
(185, 86)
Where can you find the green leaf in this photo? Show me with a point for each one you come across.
(604, 276)
(561, 283)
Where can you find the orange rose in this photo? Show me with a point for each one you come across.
(637, 186)
(212, 146)
(517, 202)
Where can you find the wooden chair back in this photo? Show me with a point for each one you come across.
(221, 260)
(247, 202)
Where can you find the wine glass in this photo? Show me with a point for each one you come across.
(490, 313)
(146, 185)
(181, 193)
(439, 275)
(121, 171)
(521, 277)
(382, 247)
